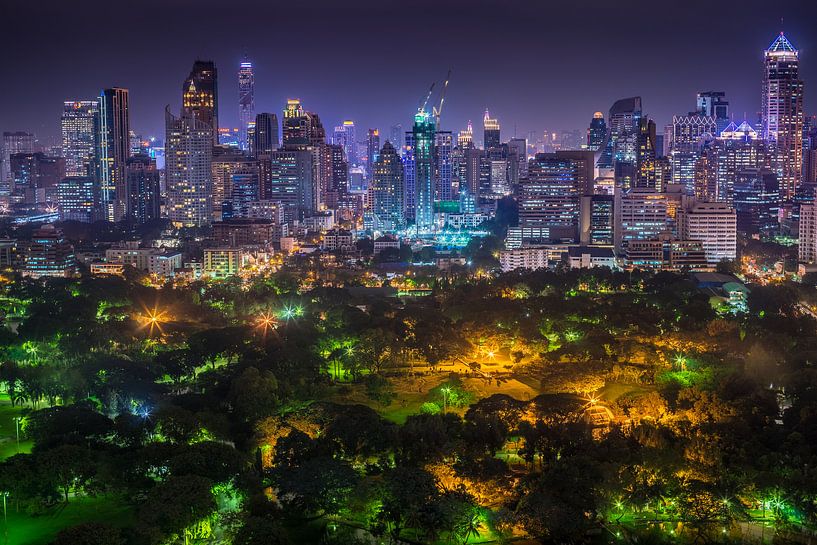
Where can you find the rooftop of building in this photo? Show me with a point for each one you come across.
(592, 251)
(781, 44)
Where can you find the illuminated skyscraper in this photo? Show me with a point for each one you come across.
(423, 136)
(782, 113)
(200, 95)
(246, 101)
(345, 136)
(386, 190)
(113, 150)
(465, 139)
(714, 104)
(79, 133)
(188, 159)
(490, 127)
(442, 165)
(597, 132)
(372, 150)
(645, 155)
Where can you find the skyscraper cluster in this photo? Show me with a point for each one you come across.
(620, 186)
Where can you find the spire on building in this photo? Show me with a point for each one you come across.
(781, 44)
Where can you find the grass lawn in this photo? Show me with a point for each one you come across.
(28, 530)
(8, 439)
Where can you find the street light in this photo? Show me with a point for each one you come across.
(445, 390)
(17, 420)
(5, 517)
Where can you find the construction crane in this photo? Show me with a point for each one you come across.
(437, 111)
(423, 105)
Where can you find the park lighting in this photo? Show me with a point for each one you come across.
(445, 390)
(154, 318)
(266, 321)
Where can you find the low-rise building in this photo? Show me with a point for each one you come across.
(150, 260)
(586, 257)
(666, 253)
(49, 254)
(221, 262)
(338, 240)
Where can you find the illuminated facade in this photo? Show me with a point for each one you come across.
(424, 135)
(200, 96)
(597, 132)
(265, 134)
(386, 191)
(491, 131)
(246, 101)
(78, 126)
(113, 150)
(188, 161)
(782, 112)
(144, 197)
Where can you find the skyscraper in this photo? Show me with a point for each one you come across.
(465, 138)
(13, 142)
(372, 150)
(714, 104)
(597, 132)
(265, 136)
(423, 136)
(246, 101)
(144, 198)
(188, 159)
(442, 165)
(79, 133)
(113, 150)
(782, 111)
(200, 95)
(386, 191)
(490, 128)
(645, 154)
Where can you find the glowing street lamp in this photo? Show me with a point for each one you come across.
(266, 321)
(445, 390)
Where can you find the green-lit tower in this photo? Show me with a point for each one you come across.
(425, 128)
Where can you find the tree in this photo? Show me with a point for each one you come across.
(90, 533)
(254, 395)
(316, 485)
(174, 506)
(67, 424)
(68, 466)
(217, 462)
(261, 531)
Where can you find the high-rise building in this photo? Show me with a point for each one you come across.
(372, 150)
(386, 190)
(689, 134)
(645, 154)
(246, 101)
(443, 172)
(782, 111)
(714, 225)
(756, 198)
(640, 214)
(597, 132)
(76, 199)
(13, 142)
(622, 124)
(551, 196)
(144, 197)
(79, 133)
(423, 138)
(113, 150)
(188, 160)
(714, 104)
(49, 254)
(290, 182)
(35, 177)
(597, 223)
(465, 138)
(807, 252)
(265, 135)
(409, 177)
(227, 164)
(491, 131)
(200, 95)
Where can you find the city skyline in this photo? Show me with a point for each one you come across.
(527, 100)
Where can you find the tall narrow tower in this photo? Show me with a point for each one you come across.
(113, 151)
(782, 113)
(425, 130)
(246, 100)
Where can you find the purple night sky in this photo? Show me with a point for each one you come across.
(535, 64)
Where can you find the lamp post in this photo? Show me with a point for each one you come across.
(445, 392)
(17, 431)
(5, 518)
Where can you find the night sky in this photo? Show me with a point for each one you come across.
(537, 65)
